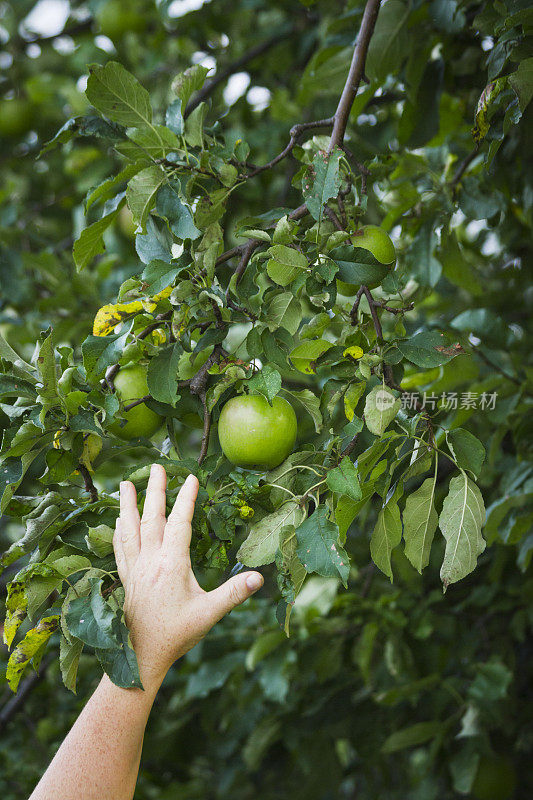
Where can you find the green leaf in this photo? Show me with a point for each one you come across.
(178, 214)
(311, 403)
(389, 44)
(262, 542)
(420, 523)
(381, 407)
(158, 275)
(90, 242)
(345, 480)
(461, 519)
(69, 657)
(188, 82)
(284, 311)
(152, 143)
(357, 265)
(100, 540)
(319, 549)
(413, 735)
(285, 264)
(118, 95)
(90, 618)
(142, 190)
(466, 449)
(522, 82)
(107, 189)
(428, 349)
(162, 374)
(267, 382)
(231, 375)
(7, 352)
(99, 352)
(305, 355)
(46, 365)
(174, 117)
(385, 537)
(120, 662)
(155, 244)
(322, 182)
(30, 647)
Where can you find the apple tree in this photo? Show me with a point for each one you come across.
(319, 310)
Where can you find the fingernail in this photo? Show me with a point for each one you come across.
(122, 485)
(254, 581)
(153, 469)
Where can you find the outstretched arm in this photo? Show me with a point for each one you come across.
(167, 613)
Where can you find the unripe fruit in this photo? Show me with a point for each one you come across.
(254, 434)
(130, 384)
(115, 19)
(16, 117)
(126, 224)
(495, 779)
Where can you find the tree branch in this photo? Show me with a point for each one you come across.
(205, 433)
(234, 67)
(88, 481)
(463, 166)
(295, 133)
(17, 702)
(355, 75)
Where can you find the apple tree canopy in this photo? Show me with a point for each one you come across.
(185, 190)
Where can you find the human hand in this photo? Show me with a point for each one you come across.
(166, 610)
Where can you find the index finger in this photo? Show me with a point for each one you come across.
(177, 536)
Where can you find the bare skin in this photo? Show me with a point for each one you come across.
(167, 613)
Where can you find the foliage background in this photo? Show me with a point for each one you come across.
(330, 711)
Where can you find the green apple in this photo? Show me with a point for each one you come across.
(126, 224)
(130, 384)
(16, 117)
(254, 434)
(376, 241)
(115, 19)
(495, 779)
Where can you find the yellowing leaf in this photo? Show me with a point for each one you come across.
(354, 352)
(108, 317)
(16, 605)
(30, 647)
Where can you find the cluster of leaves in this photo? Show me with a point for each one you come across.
(231, 288)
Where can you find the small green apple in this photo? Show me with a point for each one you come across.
(254, 434)
(495, 779)
(141, 421)
(115, 19)
(16, 117)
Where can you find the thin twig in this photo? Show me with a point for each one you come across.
(295, 132)
(17, 702)
(73, 30)
(234, 67)
(205, 433)
(392, 310)
(247, 252)
(463, 166)
(491, 364)
(88, 481)
(355, 75)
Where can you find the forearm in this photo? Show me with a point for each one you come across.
(101, 754)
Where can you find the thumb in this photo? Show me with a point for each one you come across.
(232, 593)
